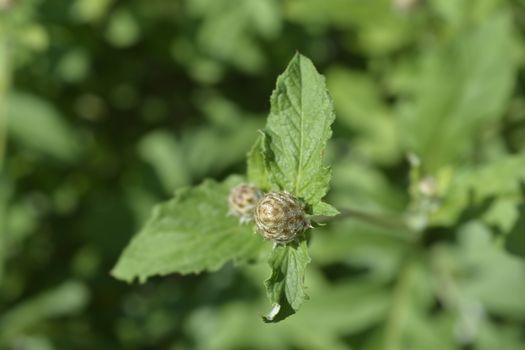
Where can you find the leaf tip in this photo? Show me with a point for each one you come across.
(273, 312)
(117, 274)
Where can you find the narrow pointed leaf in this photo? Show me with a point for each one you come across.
(298, 129)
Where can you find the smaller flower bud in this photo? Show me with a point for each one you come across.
(280, 217)
(428, 186)
(242, 200)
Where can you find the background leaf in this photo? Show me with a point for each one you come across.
(459, 88)
(360, 107)
(164, 153)
(515, 239)
(68, 298)
(36, 124)
(479, 190)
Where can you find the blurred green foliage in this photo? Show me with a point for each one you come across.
(107, 107)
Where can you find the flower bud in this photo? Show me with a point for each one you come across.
(280, 217)
(242, 201)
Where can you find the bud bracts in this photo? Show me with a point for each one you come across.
(280, 217)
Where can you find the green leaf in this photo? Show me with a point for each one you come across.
(123, 29)
(359, 105)
(165, 154)
(90, 10)
(36, 124)
(515, 242)
(324, 209)
(239, 23)
(285, 286)
(210, 150)
(380, 29)
(298, 129)
(6, 192)
(480, 189)
(68, 298)
(189, 234)
(460, 88)
(256, 165)
(485, 273)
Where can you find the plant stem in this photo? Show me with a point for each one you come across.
(390, 222)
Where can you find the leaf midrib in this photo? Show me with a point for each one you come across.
(301, 134)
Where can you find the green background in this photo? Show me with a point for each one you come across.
(107, 107)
